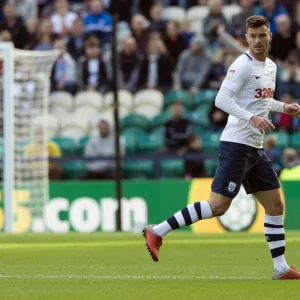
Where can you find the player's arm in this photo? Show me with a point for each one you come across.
(237, 77)
(292, 109)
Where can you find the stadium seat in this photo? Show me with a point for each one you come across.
(197, 27)
(66, 145)
(138, 169)
(131, 136)
(197, 13)
(52, 123)
(81, 122)
(125, 99)
(175, 13)
(73, 132)
(200, 115)
(206, 96)
(61, 101)
(149, 111)
(73, 169)
(160, 119)
(149, 97)
(296, 141)
(89, 98)
(105, 115)
(210, 166)
(135, 120)
(172, 168)
(282, 139)
(82, 141)
(200, 130)
(149, 143)
(136, 131)
(182, 96)
(211, 142)
(230, 10)
(87, 112)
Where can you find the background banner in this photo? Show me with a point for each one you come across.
(91, 206)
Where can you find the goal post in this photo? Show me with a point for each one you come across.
(24, 94)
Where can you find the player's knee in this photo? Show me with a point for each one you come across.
(219, 204)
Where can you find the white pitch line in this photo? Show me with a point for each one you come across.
(131, 277)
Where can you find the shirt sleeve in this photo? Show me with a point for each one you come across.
(237, 76)
(276, 106)
(225, 101)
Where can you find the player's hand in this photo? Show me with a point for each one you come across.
(292, 109)
(263, 124)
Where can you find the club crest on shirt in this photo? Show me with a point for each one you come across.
(231, 186)
(231, 74)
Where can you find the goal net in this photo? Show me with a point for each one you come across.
(24, 92)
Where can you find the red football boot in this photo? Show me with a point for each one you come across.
(291, 274)
(153, 242)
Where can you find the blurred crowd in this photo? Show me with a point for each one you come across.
(156, 51)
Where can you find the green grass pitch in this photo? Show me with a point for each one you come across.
(116, 266)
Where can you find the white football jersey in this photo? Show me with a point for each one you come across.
(253, 83)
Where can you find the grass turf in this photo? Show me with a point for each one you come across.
(116, 266)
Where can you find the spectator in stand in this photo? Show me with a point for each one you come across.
(144, 7)
(289, 81)
(273, 153)
(44, 37)
(5, 36)
(193, 67)
(271, 10)
(186, 31)
(32, 27)
(193, 168)
(141, 32)
(35, 152)
(129, 65)
(177, 131)
(76, 40)
(291, 162)
(291, 165)
(238, 21)
(285, 122)
(290, 5)
(174, 40)
(182, 3)
(102, 145)
(218, 119)
(62, 19)
(283, 40)
(15, 25)
(27, 9)
(93, 70)
(297, 15)
(158, 23)
(156, 68)
(98, 22)
(198, 2)
(213, 20)
(218, 70)
(64, 73)
(296, 51)
(122, 8)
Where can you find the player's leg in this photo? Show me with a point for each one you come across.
(225, 187)
(217, 205)
(262, 181)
